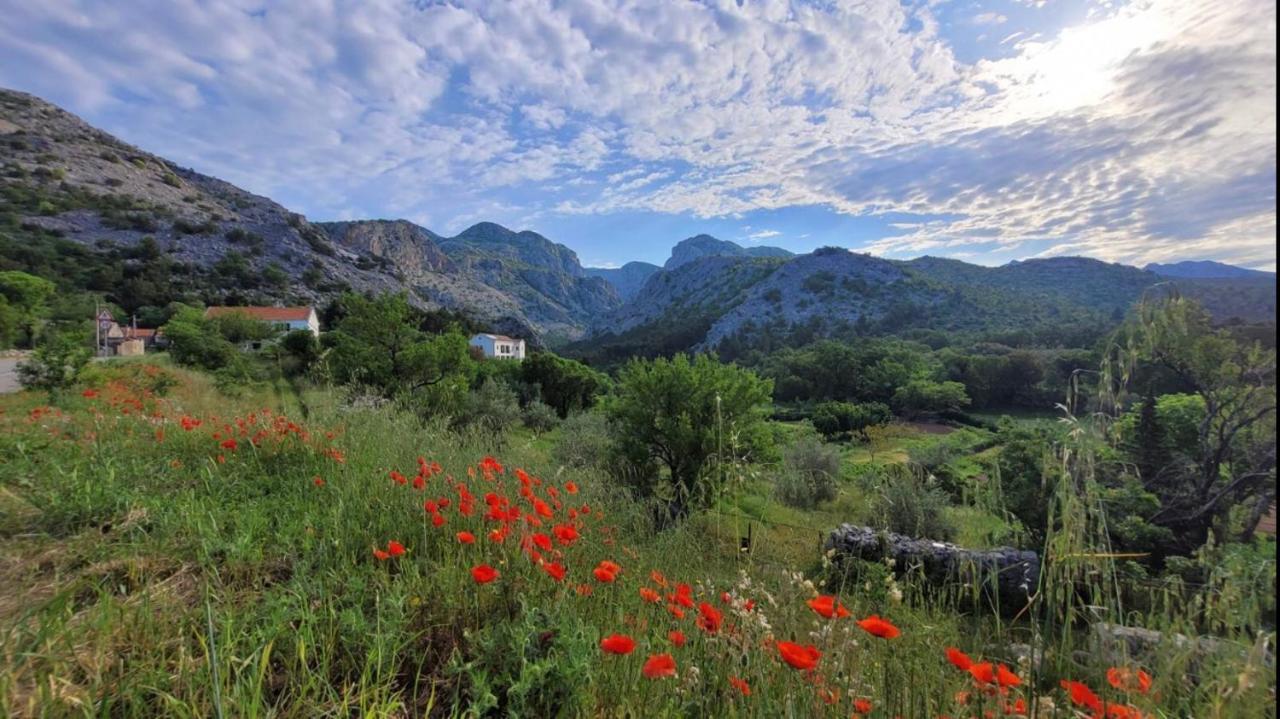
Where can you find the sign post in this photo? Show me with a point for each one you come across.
(103, 326)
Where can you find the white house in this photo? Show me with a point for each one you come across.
(499, 346)
(283, 318)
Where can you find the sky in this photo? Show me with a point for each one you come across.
(987, 131)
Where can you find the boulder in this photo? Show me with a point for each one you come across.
(1011, 575)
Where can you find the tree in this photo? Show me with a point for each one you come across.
(684, 415)
(1151, 454)
(55, 365)
(566, 385)
(1233, 451)
(196, 342)
(922, 396)
(25, 297)
(833, 419)
(377, 343)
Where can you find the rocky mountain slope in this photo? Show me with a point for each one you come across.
(627, 279)
(64, 181)
(1204, 269)
(692, 248)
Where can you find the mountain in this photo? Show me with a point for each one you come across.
(692, 248)
(96, 214)
(1204, 269)
(627, 279)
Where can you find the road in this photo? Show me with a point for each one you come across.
(9, 374)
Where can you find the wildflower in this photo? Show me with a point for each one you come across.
(483, 573)
(959, 659)
(659, 666)
(466, 537)
(554, 570)
(877, 627)
(542, 541)
(397, 477)
(983, 673)
(229, 443)
(798, 656)
(90, 393)
(1006, 678)
(649, 595)
(618, 644)
(317, 481)
(657, 578)
(675, 611)
(571, 488)
(437, 520)
(1129, 680)
(1082, 695)
(741, 685)
(1016, 708)
(395, 548)
(862, 705)
(709, 618)
(565, 533)
(603, 575)
(826, 606)
(677, 637)
(381, 555)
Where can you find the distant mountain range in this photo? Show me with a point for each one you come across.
(64, 180)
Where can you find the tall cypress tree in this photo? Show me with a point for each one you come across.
(1150, 452)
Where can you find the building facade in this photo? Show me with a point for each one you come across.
(499, 346)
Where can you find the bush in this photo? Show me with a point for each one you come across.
(493, 409)
(909, 503)
(584, 440)
(810, 472)
(55, 365)
(540, 417)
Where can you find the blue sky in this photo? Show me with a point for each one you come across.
(988, 131)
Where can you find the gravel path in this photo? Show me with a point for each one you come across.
(8, 374)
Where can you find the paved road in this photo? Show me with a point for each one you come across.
(8, 375)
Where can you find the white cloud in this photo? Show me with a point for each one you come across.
(1146, 130)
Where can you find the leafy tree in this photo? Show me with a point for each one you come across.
(1020, 467)
(197, 342)
(833, 419)
(564, 384)
(922, 396)
(685, 415)
(55, 365)
(1232, 454)
(25, 297)
(378, 343)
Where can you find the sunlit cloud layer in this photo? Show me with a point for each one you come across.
(1134, 132)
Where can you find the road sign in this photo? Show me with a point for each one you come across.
(105, 320)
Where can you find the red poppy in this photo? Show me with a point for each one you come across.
(430, 507)
(877, 627)
(799, 656)
(618, 644)
(709, 618)
(984, 673)
(419, 482)
(862, 705)
(380, 555)
(675, 611)
(396, 477)
(959, 659)
(497, 535)
(395, 548)
(89, 393)
(228, 444)
(542, 508)
(570, 487)
(1082, 695)
(657, 578)
(466, 537)
(317, 481)
(483, 573)
(1129, 680)
(612, 567)
(659, 666)
(542, 541)
(1121, 711)
(677, 637)
(741, 685)
(1016, 708)
(1006, 678)
(565, 533)
(603, 575)
(826, 606)
(649, 595)
(437, 520)
(554, 570)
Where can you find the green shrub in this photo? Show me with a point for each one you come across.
(540, 416)
(55, 365)
(810, 474)
(583, 440)
(492, 409)
(909, 503)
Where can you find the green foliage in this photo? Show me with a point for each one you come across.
(23, 303)
(55, 365)
(564, 384)
(197, 342)
(584, 440)
(377, 344)
(833, 419)
(688, 416)
(1021, 468)
(810, 474)
(922, 397)
(492, 409)
(909, 503)
(539, 416)
(301, 350)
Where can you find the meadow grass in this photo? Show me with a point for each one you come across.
(150, 568)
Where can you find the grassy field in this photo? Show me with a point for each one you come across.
(169, 551)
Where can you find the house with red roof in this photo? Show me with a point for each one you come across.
(285, 319)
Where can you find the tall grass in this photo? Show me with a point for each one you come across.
(142, 576)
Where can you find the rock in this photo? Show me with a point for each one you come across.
(1014, 573)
